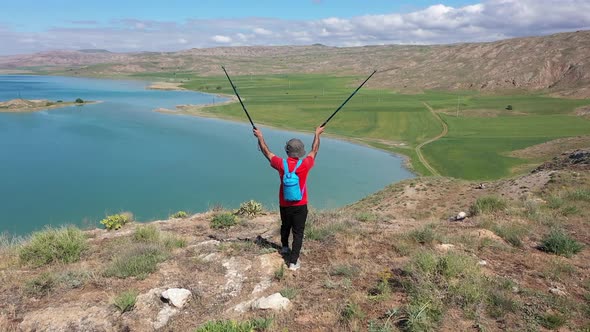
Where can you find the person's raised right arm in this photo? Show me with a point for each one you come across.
(315, 146)
(262, 144)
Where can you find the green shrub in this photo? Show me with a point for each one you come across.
(424, 235)
(579, 195)
(434, 281)
(289, 292)
(65, 244)
(171, 242)
(560, 243)
(40, 285)
(351, 311)
(322, 232)
(116, 221)
(280, 273)
(179, 215)
(147, 234)
(79, 101)
(487, 204)
(345, 270)
(499, 304)
(555, 202)
(125, 301)
(511, 233)
(73, 279)
(570, 210)
(552, 321)
(138, 261)
(224, 220)
(250, 209)
(257, 324)
(365, 216)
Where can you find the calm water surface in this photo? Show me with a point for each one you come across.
(80, 163)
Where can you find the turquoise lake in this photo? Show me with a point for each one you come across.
(77, 164)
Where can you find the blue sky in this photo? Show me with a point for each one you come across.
(28, 26)
(36, 15)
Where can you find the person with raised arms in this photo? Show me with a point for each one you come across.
(293, 172)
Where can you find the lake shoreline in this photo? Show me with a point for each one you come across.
(198, 111)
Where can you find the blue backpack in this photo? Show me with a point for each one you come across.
(291, 190)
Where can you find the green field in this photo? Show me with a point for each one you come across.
(481, 131)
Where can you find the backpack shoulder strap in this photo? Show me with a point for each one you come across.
(286, 166)
(298, 164)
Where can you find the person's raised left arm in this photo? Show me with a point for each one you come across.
(262, 144)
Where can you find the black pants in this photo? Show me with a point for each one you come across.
(293, 217)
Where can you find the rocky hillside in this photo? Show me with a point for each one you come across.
(558, 63)
(404, 259)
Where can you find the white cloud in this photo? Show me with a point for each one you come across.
(262, 31)
(221, 39)
(485, 21)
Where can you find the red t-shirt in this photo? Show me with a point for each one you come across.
(306, 165)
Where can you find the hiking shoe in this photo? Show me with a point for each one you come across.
(294, 266)
(285, 250)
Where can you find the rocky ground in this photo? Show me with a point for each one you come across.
(399, 259)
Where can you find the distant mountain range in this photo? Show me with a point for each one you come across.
(558, 63)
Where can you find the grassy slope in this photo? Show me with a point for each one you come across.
(475, 147)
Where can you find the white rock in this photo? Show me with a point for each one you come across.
(557, 291)
(274, 302)
(243, 306)
(235, 275)
(482, 263)
(444, 247)
(178, 297)
(164, 316)
(461, 215)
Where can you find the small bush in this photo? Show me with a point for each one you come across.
(125, 301)
(351, 311)
(147, 234)
(41, 285)
(138, 261)
(280, 273)
(79, 101)
(560, 243)
(579, 195)
(323, 232)
(179, 215)
(289, 292)
(487, 204)
(552, 321)
(500, 304)
(116, 221)
(511, 233)
(345, 270)
(223, 220)
(171, 242)
(554, 202)
(424, 235)
(570, 210)
(258, 324)
(250, 209)
(73, 279)
(64, 244)
(365, 216)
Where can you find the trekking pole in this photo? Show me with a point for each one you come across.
(240, 99)
(347, 99)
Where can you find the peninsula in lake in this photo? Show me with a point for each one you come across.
(20, 105)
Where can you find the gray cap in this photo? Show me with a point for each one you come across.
(295, 148)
